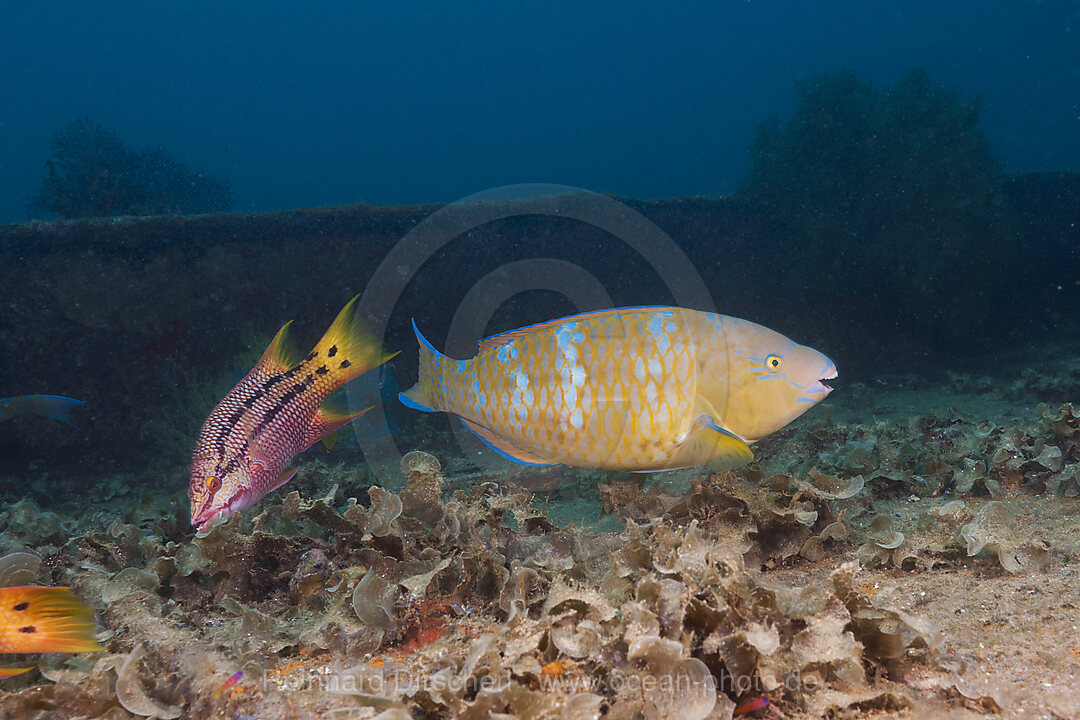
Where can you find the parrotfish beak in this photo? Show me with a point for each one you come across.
(819, 386)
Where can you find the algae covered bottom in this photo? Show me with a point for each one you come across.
(911, 551)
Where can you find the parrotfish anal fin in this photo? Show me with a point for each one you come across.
(490, 343)
(280, 354)
(285, 476)
(708, 442)
(328, 419)
(508, 451)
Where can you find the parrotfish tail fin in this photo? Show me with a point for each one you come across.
(56, 407)
(46, 619)
(348, 349)
(424, 395)
(330, 418)
(6, 672)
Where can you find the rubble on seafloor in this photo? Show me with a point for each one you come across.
(795, 580)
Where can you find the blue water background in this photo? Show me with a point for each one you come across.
(306, 104)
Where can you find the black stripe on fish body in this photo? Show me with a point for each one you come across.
(272, 381)
(250, 401)
(286, 399)
(226, 428)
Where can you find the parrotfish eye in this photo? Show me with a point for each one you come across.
(213, 483)
(773, 362)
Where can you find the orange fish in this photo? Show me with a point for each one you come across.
(36, 619)
(275, 412)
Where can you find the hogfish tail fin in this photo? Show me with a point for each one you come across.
(348, 349)
(425, 395)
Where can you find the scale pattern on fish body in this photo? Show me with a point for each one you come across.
(626, 389)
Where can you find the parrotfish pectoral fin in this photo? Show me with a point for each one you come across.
(328, 420)
(707, 442)
(501, 446)
(57, 620)
(285, 476)
(421, 396)
(5, 673)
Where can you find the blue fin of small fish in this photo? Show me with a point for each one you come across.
(56, 407)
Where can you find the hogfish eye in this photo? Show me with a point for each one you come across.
(773, 362)
(213, 483)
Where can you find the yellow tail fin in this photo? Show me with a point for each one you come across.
(44, 619)
(348, 349)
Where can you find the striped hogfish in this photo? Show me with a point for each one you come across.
(642, 389)
(276, 411)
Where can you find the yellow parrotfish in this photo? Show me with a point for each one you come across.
(37, 619)
(276, 411)
(643, 389)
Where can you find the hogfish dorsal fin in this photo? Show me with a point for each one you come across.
(494, 341)
(280, 354)
(504, 448)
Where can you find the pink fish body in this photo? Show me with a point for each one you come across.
(642, 389)
(276, 411)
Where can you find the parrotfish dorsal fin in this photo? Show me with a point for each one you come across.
(504, 448)
(490, 343)
(280, 354)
